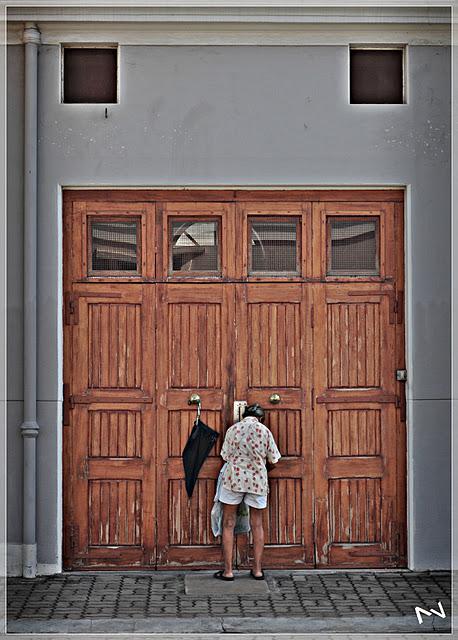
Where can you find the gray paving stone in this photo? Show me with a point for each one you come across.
(206, 585)
(319, 596)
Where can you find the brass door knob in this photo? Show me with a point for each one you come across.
(194, 398)
(275, 398)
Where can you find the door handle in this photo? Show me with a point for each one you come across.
(194, 398)
(275, 398)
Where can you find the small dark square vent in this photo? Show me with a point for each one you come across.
(90, 75)
(376, 76)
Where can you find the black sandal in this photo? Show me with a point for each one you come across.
(261, 577)
(220, 576)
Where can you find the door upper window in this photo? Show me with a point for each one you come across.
(353, 246)
(114, 246)
(273, 246)
(195, 246)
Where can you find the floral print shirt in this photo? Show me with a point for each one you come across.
(247, 446)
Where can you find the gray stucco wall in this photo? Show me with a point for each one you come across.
(246, 116)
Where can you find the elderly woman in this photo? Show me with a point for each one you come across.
(247, 448)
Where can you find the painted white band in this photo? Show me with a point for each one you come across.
(206, 33)
(29, 560)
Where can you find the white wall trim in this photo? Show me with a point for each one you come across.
(235, 187)
(14, 559)
(241, 33)
(57, 568)
(408, 258)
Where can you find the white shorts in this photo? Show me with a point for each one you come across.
(227, 496)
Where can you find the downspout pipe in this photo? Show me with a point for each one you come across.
(29, 426)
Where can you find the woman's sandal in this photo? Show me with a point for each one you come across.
(220, 575)
(261, 577)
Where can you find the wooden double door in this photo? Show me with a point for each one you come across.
(293, 302)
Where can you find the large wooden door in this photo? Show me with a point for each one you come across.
(109, 403)
(290, 299)
(194, 356)
(274, 360)
(358, 402)
(113, 455)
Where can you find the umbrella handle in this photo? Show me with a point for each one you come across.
(195, 399)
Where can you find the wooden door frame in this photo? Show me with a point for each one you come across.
(396, 196)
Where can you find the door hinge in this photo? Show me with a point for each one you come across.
(71, 309)
(399, 307)
(68, 404)
(74, 535)
(401, 405)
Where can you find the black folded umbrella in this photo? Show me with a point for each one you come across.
(200, 442)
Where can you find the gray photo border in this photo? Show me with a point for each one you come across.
(3, 296)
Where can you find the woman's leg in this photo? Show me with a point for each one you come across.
(229, 516)
(257, 531)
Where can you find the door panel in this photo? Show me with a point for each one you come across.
(113, 485)
(355, 427)
(112, 427)
(273, 356)
(113, 343)
(194, 355)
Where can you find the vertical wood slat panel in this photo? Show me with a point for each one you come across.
(116, 347)
(283, 520)
(286, 430)
(273, 354)
(195, 345)
(115, 512)
(130, 353)
(354, 351)
(122, 346)
(281, 340)
(355, 510)
(354, 432)
(189, 519)
(115, 433)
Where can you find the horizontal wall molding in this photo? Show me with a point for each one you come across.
(267, 33)
(217, 11)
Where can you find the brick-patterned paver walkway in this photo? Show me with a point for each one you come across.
(79, 596)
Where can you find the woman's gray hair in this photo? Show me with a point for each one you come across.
(254, 410)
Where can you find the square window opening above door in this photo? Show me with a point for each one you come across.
(353, 246)
(377, 75)
(114, 247)
(273, 246)
(195, 247)
(90, 75)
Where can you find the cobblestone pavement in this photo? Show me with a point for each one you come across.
(80, 596)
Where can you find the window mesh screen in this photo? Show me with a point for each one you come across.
(354, 246)
(114, 245)
(273, 246)
(195, 245)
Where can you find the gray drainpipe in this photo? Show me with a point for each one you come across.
(29, 427)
